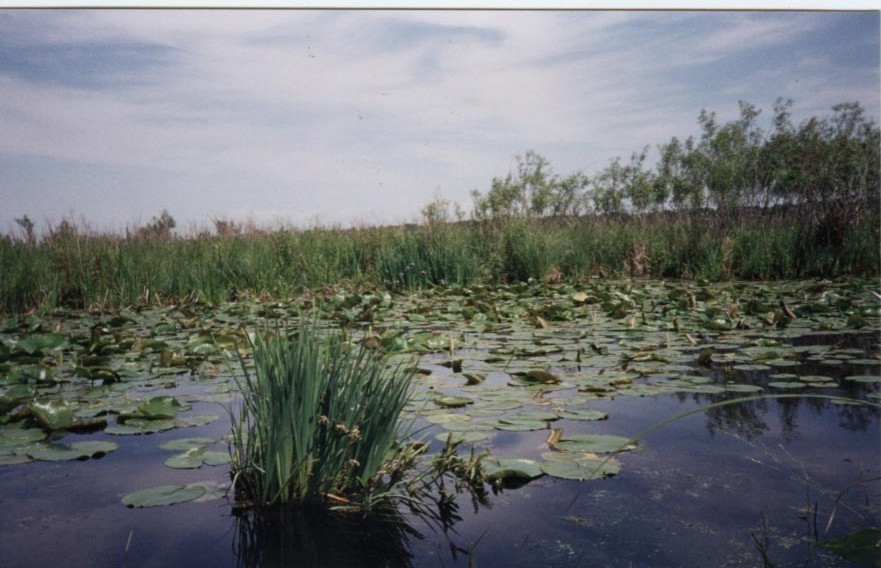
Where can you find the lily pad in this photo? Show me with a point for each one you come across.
(575, 466)
(197, 457)
(138, 426)
(158, 407)
(584, 414)
(864, 378)
(76, 451)
(163, 495)
(511, 468)
(595, 443)
(53, 414)
(184, 444)
(464, 437)
(453, 401)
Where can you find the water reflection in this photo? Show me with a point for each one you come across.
(315, 537)
(747, 418)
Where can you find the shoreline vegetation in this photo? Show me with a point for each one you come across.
(734, 202)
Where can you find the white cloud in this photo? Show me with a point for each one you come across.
(347, 114)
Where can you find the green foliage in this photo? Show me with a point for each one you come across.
(318, 422)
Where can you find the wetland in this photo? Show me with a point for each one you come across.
(624, 422)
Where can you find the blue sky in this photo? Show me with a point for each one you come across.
(350, 117)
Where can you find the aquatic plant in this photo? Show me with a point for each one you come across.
(318, 423)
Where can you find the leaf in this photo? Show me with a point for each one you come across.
(595, 443)
(157, 407)
(41, 342)
(183, 444)
(138, 426)
(542, 376)
(53, 414)
(583, 414)
(569, 465)
(163, 495)
(511, 468)
(12, 437)
(77, 451)
(453, 401)
(197, 457)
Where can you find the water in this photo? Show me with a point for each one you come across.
(726, 486)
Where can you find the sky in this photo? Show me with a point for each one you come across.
(351, 117)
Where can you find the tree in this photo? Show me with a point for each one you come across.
(159, 227)
(28, 227)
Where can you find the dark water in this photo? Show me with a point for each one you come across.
(716, 488)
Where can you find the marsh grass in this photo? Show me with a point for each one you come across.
(78, 269)
(319, 422)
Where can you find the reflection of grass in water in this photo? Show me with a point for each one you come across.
(318, 423)
(316, 537)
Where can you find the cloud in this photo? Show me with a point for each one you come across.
(338, 114)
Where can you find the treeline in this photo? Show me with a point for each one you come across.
(825, 171)
(733, 203)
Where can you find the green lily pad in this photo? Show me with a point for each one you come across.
(197, 420)
(163, 495)
(514, 425)
(453, 401)
(53, 414)
(12, 437)
(541, 376)
(197, 457)
(575, 466)
(860, 546)
(787, 385)
(511, 468)
(464, 437)
(583, 414)
(864, 378)
(41, 342)
(76, 451)
(184, 444)
(595, 443)
(138, 426)
(158, 407)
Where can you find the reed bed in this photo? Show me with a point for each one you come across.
(86, 270)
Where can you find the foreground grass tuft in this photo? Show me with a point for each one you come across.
(318, 423)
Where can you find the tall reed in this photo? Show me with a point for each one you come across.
(318, 422)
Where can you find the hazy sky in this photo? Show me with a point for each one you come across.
(347, 116)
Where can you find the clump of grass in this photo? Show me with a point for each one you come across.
(319, 422)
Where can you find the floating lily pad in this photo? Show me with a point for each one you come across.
(453, 401)
(183, 444)
(860, 546)
(864, 378)
(197, 420)
(743, 388)
(163, 495)
(595, 443)
(138, 426)
(11, 437)
(76, 451)
(158, 407)
(197, 457)
(463, 437)
(585, 414)
(511, 468)
(787, 385)
(575, 466)
(514, 425)
(53, 414)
